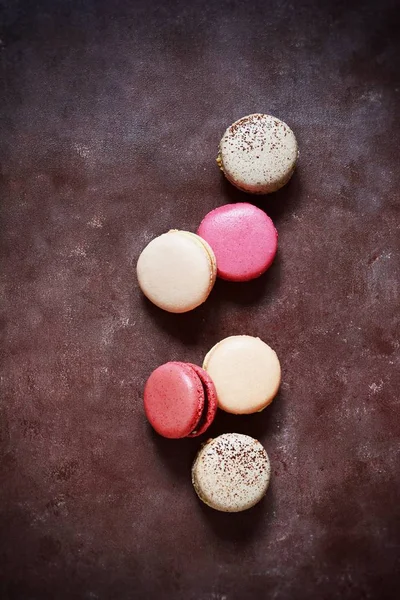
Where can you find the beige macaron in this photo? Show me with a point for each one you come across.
(177, 271)
(258, 153)
(231, 472)
(246, 373)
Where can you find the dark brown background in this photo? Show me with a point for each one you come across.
(111, 112)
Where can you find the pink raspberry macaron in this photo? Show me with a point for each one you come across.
(180, 400)
(243, 238)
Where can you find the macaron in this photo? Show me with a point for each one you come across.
(258, 153)
(243, 238)
(180, 400)
(246, 373)
(176, 271)
(231, 472)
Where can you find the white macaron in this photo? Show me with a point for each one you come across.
(177, 271)
(246, 373)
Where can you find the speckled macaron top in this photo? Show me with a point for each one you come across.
(231, 472)
(258, 153)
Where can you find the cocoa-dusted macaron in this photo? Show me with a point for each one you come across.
(258, 153)
(231, 472)
(180, 400)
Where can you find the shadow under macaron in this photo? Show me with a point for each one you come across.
(241, 528)
(256, 425)
(248, 293)
(177, 454)
(276, 205)
(187, 327)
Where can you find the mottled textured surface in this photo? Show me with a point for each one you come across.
(111, 114)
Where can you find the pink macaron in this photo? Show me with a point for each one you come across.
(180, 400)
(243, 238)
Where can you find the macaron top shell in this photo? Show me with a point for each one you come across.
(246, 373)
(180, 400)
(258, 153)
(173, 399)
(177, 271)
(231, 472)
(243, 238)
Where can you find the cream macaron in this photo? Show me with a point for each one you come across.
(177, 271)
(258, 153)
(231, 472)
(246, 373)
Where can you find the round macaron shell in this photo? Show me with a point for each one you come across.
(231, 473)
(210, 403)
(243, 238)
(246, 373)
(176, 272)
(174, 399)
(258, 153)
